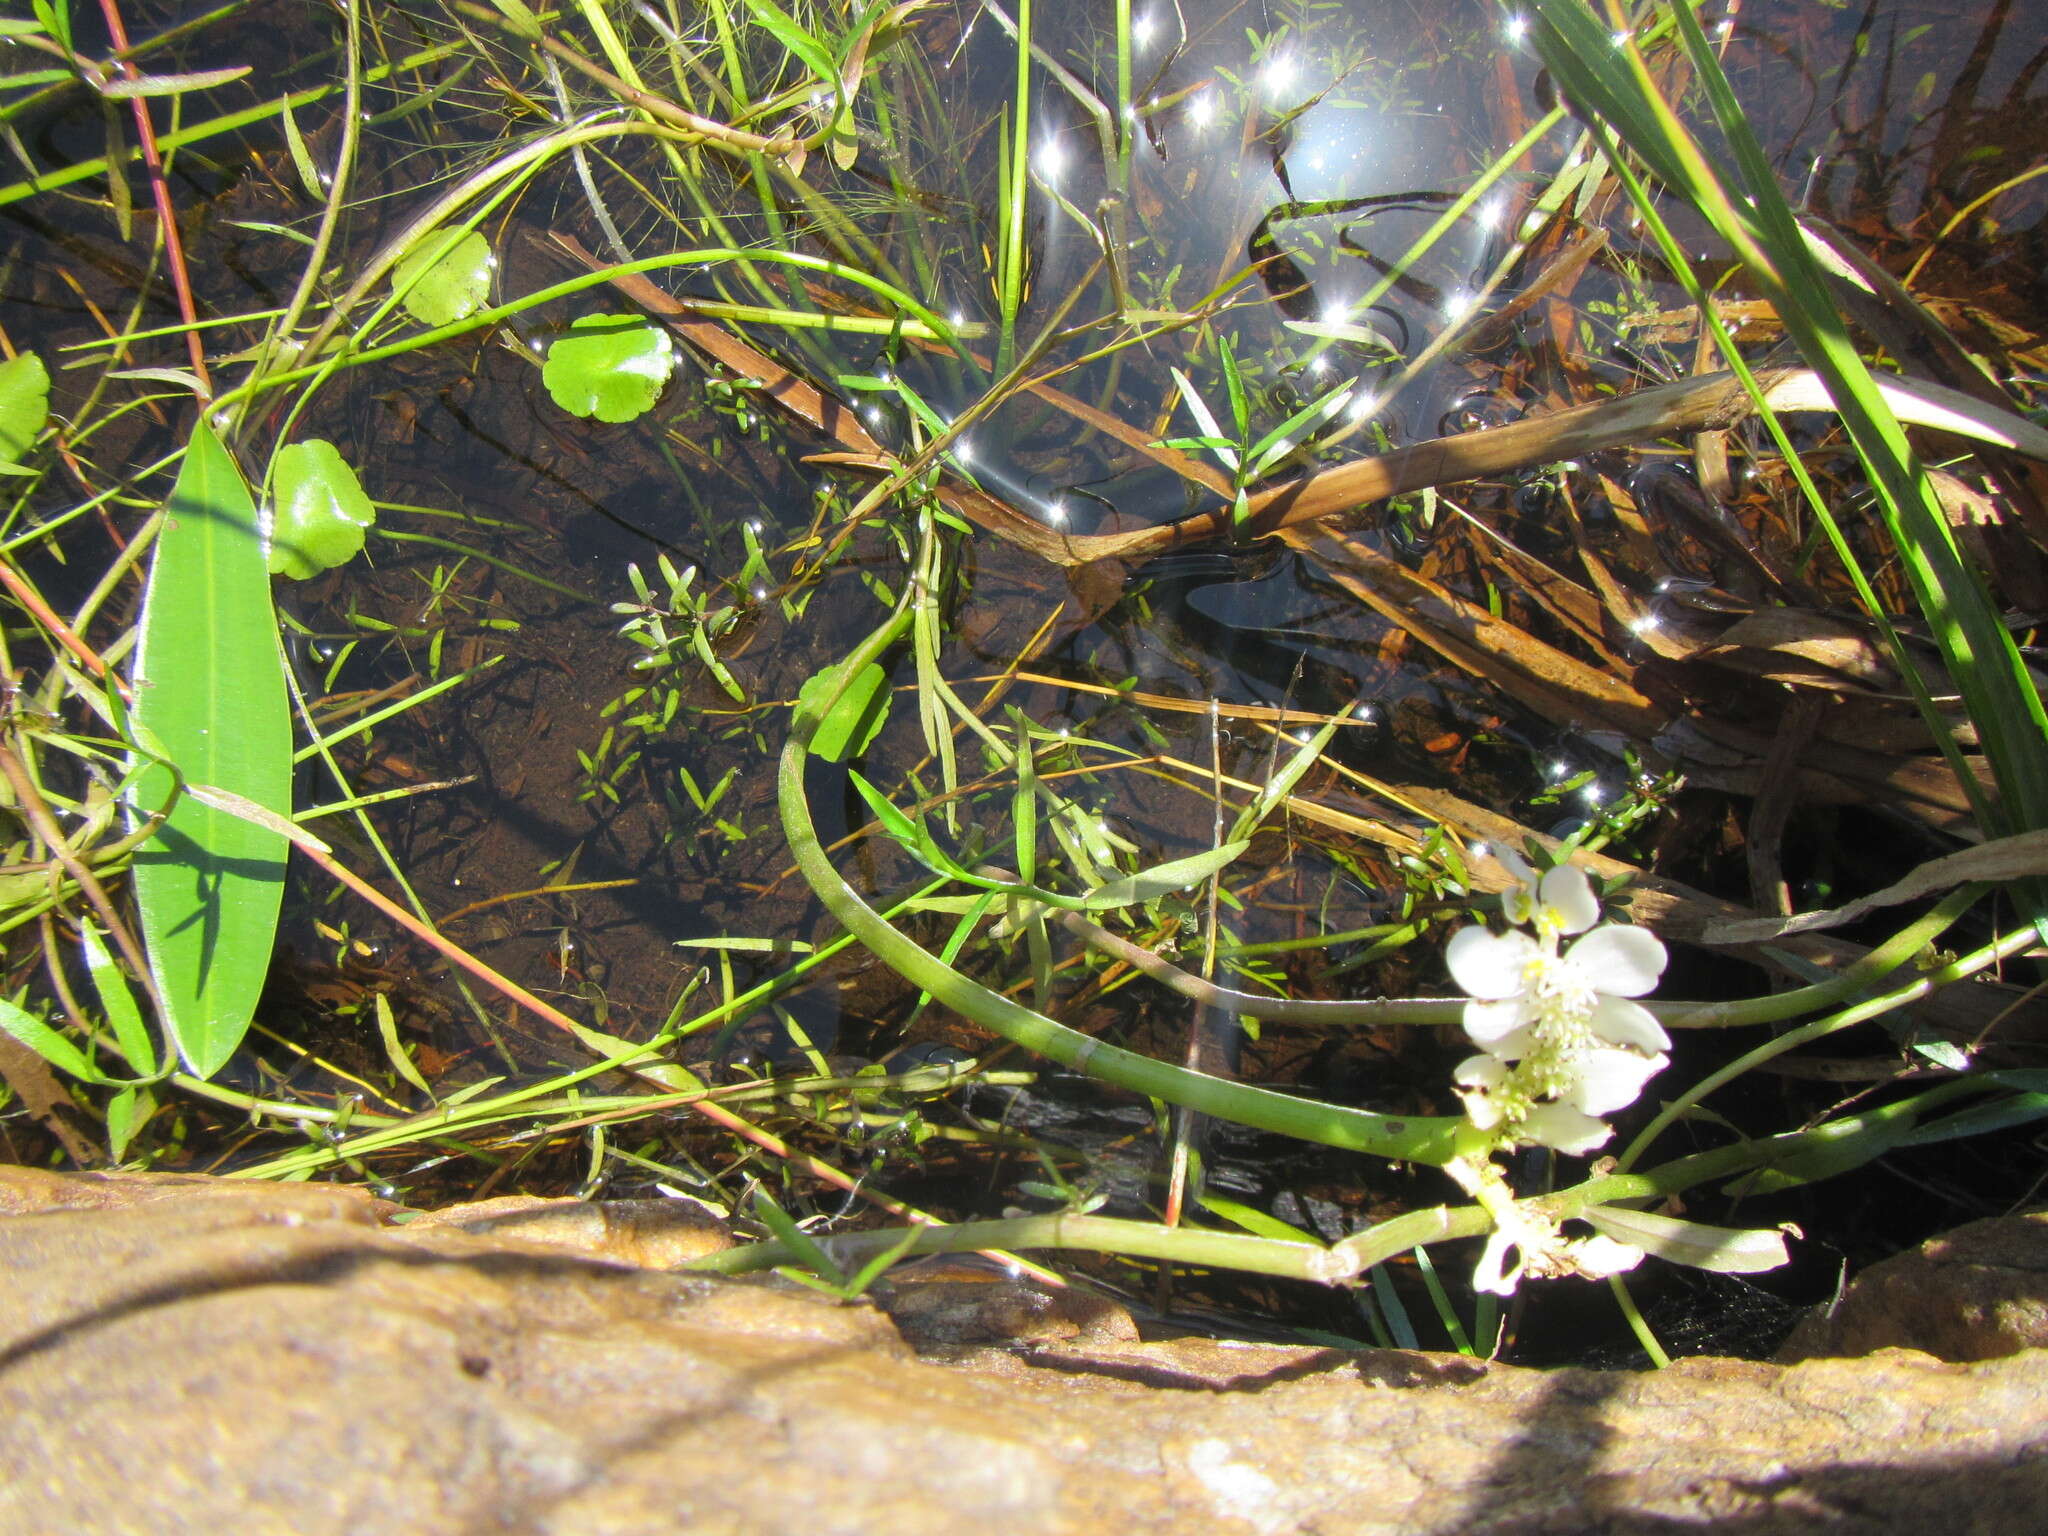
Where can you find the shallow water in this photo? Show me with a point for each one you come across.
(1315, 151)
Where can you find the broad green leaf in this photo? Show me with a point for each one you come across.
(118, 1003)
(855, 720)
(46, 1042)
(609, 366)
(24, 405)
(443, 282)
(1163, 879)
(318, 510)
(209, 686)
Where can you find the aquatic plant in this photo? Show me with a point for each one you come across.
(855, 324)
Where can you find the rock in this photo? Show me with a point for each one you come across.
(938, 1315)
(649, 1234)
(277, 1358)
(1977, 1293)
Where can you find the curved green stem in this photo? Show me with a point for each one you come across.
(1423, 1140)
(1095, 1234)
(1858, 1013)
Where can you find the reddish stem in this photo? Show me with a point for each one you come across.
(160, 192)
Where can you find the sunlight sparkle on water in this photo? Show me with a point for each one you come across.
(1364, 408)
(1202, 109)
(1458, 305)
(1143, 28)
(1052, 159)
(1278, 74)
(1517, 27)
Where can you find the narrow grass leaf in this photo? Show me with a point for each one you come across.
(172, 85)
(394, 1049)
(118, 1003)
(46, 1042)
(127, 1112)
(209, 684)
(1163, 879)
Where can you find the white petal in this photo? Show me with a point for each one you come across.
(1611, 1080)
(1624, 962)
(1518, 904)
(1502, 1028)
(1480, 1074)
(1562, 1127)
(1477, 1077)
(1487, 1274)
(1518, 901)
(1517, 866)
(1600, 1256)
(1568, 896)
(1621, 1022)
(1487, 964)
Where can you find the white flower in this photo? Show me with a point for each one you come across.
(1562, 897)
(1562, 1042)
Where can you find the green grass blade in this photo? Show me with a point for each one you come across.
(1746, 207)
(210, 688)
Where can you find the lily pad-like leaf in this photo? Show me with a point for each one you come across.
(449, 287)
(855, 720)
(318, 510)
(612, 367)
(24, 408)
(210, 695)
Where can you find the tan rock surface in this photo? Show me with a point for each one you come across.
(276, 1360)
(1976, 1293)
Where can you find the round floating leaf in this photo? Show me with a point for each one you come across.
(856, 719)
(609, 366)
(24, 406)
(318, 510)
(449, 288)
